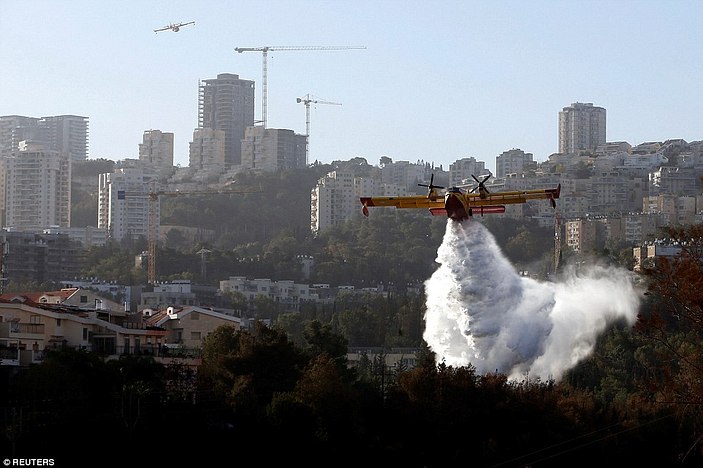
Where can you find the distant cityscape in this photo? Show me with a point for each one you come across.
(611, 191)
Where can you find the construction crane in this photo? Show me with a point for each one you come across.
(307, 100)
(154, 222)
(264, 74)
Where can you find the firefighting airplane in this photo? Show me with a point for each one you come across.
(175, 27)
(458, 204)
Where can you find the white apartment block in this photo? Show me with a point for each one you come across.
(333, 201)
(403, 174)
(123, 203)
(272, 149)
(156, 149)
(207, 150)
(285, 292)
(370, 187)
(38, 183)
(462, 170)
(514, 161)
(581, 127)
(66, 134)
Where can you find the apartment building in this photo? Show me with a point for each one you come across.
(33, 323)
(38, 188)
(65, 134)
(123, 202)
(285, 293)
(404, 174)
(580, 235)
(653, 250)
(227, 103)
(188, 326)
(156, 149)
(333, 201)
(207, 151)
(272, 149)
(40, 257)
(514, 161)
(581, 127)
(462, 170)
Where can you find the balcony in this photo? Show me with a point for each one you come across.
(24, 331)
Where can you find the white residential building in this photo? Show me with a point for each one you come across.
(284, 292)
(156, 149)
(581, 127)
(207, 150)
(123, 203)
(38, 192)
(514, 161)
(272, 149)
(333, 201)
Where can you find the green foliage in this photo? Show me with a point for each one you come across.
(84, 208)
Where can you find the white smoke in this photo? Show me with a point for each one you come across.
(481, 312)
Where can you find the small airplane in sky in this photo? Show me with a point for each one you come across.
(175, 27)
(458, 204)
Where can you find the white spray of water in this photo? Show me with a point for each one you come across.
(481, 312)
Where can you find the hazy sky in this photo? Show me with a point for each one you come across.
(438, 80)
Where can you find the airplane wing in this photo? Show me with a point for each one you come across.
(513, 197)
(419, 201)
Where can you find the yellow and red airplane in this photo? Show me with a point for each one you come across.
(457, 204)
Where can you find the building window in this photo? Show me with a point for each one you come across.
(84, 299)
(195, 315)
(195, 336)
(85, 334)
(58, 322)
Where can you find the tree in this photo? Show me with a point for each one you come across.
(672, 326)
(247, 368)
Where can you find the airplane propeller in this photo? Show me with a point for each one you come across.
(480, 185)
(431, 187)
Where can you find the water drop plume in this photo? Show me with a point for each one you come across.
(480, 311)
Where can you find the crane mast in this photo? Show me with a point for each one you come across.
(153, 217)
(264, 67)
(307, 100)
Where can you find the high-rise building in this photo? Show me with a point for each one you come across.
(514, 161)
(227, 103)
(157, 149)
(38, 186)
(581, 127)
(332, 201)
(67, 134)
(207, 150)
(272, 149)
(462, 169)
(123, 203)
